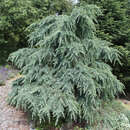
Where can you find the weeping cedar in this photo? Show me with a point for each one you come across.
(65, 74)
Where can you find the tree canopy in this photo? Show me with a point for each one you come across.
(17, 15)
(65, 70)
(114, 26)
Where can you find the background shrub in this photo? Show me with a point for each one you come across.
(16, 15)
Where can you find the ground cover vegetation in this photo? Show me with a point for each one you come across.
(16, 15)
(66, 75)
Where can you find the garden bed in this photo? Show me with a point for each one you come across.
(7, 72)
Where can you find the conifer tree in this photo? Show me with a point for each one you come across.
(114, 26)
(65, 74)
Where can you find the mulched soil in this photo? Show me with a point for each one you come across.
(10, 118)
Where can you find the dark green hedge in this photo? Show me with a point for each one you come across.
(17, 15)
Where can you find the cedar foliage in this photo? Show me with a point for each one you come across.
(114, 26)
(65, 70)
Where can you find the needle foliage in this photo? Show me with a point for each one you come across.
(65, 70)
(114, 26)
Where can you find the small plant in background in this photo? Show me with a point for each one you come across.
(11, 75)
(7, 66)
(78, 128)
(7, 72)
(2, 82)
(3, 75)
